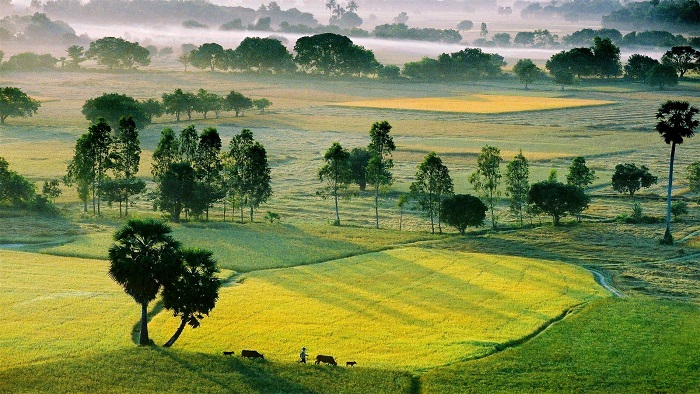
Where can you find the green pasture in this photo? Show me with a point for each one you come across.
(612, 346)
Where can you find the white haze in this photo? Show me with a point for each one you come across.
(386, 51)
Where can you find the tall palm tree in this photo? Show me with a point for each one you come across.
(195, 292)
(352, 6)
(339, 11)
(675, 123)
(143, 258)
(330, 4)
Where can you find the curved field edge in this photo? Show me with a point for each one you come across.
(612, 346)
(408, 308)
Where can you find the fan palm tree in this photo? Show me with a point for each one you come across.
(143, 258)
(195, 292)
(675, 123)
(330, 4)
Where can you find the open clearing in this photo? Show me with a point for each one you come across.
(409, 308)
(477, 104)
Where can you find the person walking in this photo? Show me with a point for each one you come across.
(303, 355)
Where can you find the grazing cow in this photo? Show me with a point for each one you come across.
(251, 354)
(228, 353)
(325, 359)
(350, 363)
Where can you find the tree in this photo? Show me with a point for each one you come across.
(14, 188)
(400, 203)
(237, 102)
(628, 178)
(166, 153)
(432, 185)
(208, 167)
(679, 209)
(178, 103)
(359, 158)
(188, 142)
(261, 104)
(606, 57)
(206, 102)
(114, 106)
(76, 54)
(333, 54)
(209, 55)
(194, 291)
(638, 66)
(463, 210)
(465, 25)
(352, 6)
(517, 184)
(152, 108)
(265, 55)
(126, 155)
(117, 52)
(693, 176)
(249, 171)
(177, 190)
(676, 122)
(81, 171)
(143, 259)
(487, 177)
(380, 164)
(15, 103)
(484, 30)
(580, 176)
(336, 173)
(330, 4)
(557, 199)
(527, 71)
(662, 75)
(51, 190)
(682, 58)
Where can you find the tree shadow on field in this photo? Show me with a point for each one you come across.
(233, 372)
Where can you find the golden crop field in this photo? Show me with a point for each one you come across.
(476, 103)
(409, 308)
(57, 308)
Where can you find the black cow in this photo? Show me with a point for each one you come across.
(228, 353)
(251, 354)
(350, 363)
(325, 359)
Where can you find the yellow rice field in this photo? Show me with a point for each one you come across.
(478, 103)
(409, 308)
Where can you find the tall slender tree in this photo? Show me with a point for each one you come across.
(143, 258)
(336, 173)
(380, 164)
(676, 121)
(518, 184)
(209, 167)
(487, 177)
(80, 171)
(188, 144)
(126, 156)
(166, 153)
(433, 183)
(99, 154)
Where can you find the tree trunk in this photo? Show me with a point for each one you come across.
(376, 203)
(668, 238)
(251, 212)
(177, 333)
(335, 197)
(143, 338)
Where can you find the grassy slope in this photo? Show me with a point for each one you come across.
(614, 346)
(408, 308)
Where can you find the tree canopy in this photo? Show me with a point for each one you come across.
(432, 185)
(557, 199)
(628, 178)
(15, 103)
(463, 210)
(115, 52)
(113, 106)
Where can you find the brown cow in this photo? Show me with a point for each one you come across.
(251, 354)
(325, 359)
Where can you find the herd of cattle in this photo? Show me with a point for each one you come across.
(319, 359)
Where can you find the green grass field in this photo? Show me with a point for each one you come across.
(410, 307)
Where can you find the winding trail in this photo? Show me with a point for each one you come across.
(602, 280)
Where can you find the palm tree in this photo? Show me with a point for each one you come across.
(330, 4)
(675, 123)
(339, 11)
(195, 292)
(143, 258)
(352, 6)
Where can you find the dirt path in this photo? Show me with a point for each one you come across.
(602, 280)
